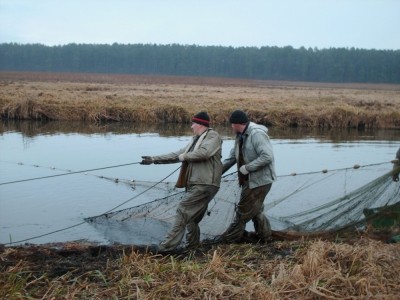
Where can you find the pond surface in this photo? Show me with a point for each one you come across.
(31, 209)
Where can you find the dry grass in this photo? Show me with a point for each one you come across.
(313, 269)
(102, 98)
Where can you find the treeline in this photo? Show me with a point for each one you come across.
(266, 63)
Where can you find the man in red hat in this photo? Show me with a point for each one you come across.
(201, 177)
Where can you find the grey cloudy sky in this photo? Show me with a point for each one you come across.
(368, 24)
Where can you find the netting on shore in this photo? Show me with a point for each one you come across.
(309, 203)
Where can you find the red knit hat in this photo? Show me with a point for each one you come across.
(202, 118)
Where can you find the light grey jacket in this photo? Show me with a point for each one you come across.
(257, 153)
(204, 162)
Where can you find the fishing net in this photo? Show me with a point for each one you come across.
(298, 204)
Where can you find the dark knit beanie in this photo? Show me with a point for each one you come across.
(202, 118)
(238, 117)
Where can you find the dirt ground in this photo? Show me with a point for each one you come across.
(160, 79)
(80, 257)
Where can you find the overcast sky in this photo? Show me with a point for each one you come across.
(368, 24)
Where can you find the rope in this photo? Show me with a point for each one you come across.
(339, 169)
(45, 234)
(110, 210)
(69, 173)
(116, 180)
(149, 188)
(122, 165)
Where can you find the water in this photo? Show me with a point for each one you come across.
(34, 208)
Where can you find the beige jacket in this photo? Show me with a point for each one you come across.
(204, 164)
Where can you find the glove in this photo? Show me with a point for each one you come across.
(243, 170)
(181, 157)
(147, 160)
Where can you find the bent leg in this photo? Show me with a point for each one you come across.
(175, 235)
(190, 212)
(205, 195)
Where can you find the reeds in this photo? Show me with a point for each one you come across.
(282, 270)
(145, 99)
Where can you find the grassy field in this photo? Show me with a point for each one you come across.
(166, 99)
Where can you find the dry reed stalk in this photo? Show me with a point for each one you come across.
(175, 100)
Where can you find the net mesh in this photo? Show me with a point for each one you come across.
(298, 204)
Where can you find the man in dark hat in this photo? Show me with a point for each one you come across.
(253, 155)
(201, 177)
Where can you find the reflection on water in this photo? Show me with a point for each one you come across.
(35, 149)
(33, 128)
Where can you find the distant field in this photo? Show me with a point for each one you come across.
(134, 98)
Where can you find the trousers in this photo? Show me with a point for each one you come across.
(250, 207)
(189, 213)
